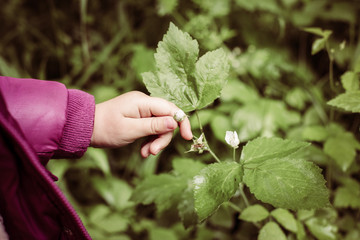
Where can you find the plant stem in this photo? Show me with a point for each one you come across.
(234, 154)
(206, 143)
(213, 154)
(235, 207)
(243, 195)
(331, 67)
(198, 118)
(83, 32)
(331, 76)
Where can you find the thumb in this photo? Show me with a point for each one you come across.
(153, 126)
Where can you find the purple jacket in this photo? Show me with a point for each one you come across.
(40, 120)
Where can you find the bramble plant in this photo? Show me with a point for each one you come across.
(294, 74)
(275, 170)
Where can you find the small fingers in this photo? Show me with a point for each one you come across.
(161, 107)
(145, 150)
(154, 146)
(185, 129)
(160, 143)
(142, 127)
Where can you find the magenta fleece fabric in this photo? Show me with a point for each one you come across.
(40, 120)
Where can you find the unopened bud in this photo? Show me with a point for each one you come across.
(179, 115)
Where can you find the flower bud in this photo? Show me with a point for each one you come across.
(179, 115)
(232, 139)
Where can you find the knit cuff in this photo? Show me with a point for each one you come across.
(78, 126)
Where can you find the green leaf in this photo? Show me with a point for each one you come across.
(263, 149)
(271, 231)
(164, 190)
(350, 81)
(296, 98)
(149, 165)
(300, 234)
(105, 219)
(270, 6)
(322, 229)
(318, 45)
(254, 213)
(347, 197)
(99, 158)
(263, 117)
(318, 31)
(214, 185)
(186, 208)
(215, 7)
(315, 133)
(238, 91)
(211, 76)
(142, 59)
(341, 151)
(114, 191)
(349, 101)
(223, 218)
(180, 78)
(187, 167)
(165, 7)
(341, 146)
(303, 214)
(276, 173)
(219, 125)
(175, 60)
(8, 69)
(286, 219)
(158, 233)
(103, 93)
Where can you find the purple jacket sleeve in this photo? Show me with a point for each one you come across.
(57, 122)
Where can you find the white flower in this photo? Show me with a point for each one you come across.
(232, 138)
(179, 115)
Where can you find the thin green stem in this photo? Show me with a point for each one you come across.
(83, 31)
(213, 154)
(205, 141)
(198, 118)
(331, 67)
(235, 207)
(243, 195)
(234, 154)
(331, 76)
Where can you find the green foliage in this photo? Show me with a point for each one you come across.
(181, 77)
(286, 219)
(263, 117)
(322, 229)
(341, 146)
(276, 173)
(254, 213)
(280, 63)
(271, 231)
(320, 43)
(350, 81)
(214, 185)
(163, 189)
(348, 194)
(166, 6)
(348, 101)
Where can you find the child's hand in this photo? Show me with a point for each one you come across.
(133, 115)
